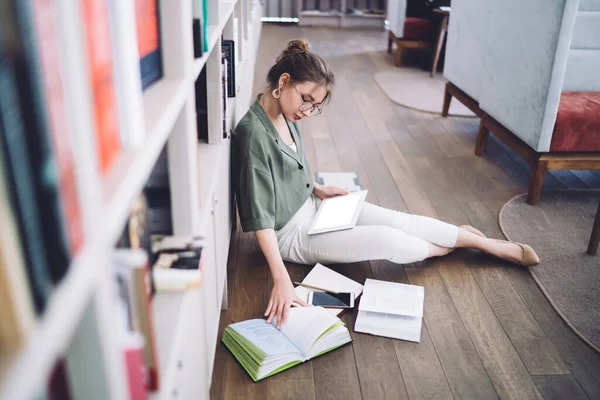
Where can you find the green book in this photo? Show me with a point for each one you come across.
(263, 350)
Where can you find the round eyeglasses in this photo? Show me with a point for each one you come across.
(315, 109)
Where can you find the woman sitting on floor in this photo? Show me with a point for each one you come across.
(278, 199)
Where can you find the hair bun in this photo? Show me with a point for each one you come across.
(296, 46)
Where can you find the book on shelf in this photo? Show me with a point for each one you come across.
(58, 387)
(101, 73)
(130, 339)
(136, 234)
(391, 309)
(263, 350)
(17, 313)
(29, 157)
(228, 47)
(127, 73)
(198, 32)
(224, 104)
(180, 264)
(148, 36)
(157, 192)
(205, 23)
(133, 275)
(201, 96)
(53, 78)
(132, 344)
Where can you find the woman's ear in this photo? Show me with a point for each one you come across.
(284, 79)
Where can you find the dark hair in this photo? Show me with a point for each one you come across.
(303, 66)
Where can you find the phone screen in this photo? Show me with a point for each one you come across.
(331, 299)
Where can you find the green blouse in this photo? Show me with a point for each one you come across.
(271, 181)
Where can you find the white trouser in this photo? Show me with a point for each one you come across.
(380, 234)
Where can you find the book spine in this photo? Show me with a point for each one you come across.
(36, 131)
(224, 96)
(204, 24)
(58, 382)
(136, 262)
(17, 315)
(228, 46)
(197, 35)
(53, 85)
(20, 185)
(148, 36)
(102, 82)
(201, 105)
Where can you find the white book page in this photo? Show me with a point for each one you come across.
(304, 325)
(392, 298)
(337, 211)
(266, 337)
(389, 325)
(323, 277)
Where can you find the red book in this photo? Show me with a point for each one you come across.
(52, 80)
(134, 362)
(102, 82)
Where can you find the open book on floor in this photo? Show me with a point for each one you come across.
(391, 309)
(263, 350)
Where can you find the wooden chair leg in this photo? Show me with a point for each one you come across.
(438, 45)
(595, 238)
(538, 171)
(390, 41)
(398, 56)
(447, 98)
(482, 137)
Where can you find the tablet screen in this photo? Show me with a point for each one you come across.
(337, 211)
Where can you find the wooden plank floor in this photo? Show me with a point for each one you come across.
(488, 331)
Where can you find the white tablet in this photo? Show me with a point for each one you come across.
(347, 180)
(338, 213)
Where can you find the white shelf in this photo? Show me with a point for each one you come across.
(168, 309)
(209, 157)
(162, 104)
(199, 63)
(54, 329)
(225, 12)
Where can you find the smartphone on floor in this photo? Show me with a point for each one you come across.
(331, 300)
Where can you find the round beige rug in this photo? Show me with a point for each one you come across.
(559, 229)
(413, 88)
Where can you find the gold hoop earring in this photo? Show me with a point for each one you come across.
(276, 93)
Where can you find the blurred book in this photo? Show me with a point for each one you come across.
(133, 272)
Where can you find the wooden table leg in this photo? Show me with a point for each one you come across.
(438, 44)
(595, 238)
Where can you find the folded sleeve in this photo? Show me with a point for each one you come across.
(256, 199)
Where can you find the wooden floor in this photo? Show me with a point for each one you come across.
(488, 330)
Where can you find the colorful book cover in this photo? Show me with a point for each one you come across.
(53, 87)
(29, 152)
(102, 82)
(148, 36)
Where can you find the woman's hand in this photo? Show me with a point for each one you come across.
(324, 192)
(282, 296)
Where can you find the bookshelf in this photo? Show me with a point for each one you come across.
(79, 320)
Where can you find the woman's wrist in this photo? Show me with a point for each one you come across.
(316, 187)
(281, 276)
